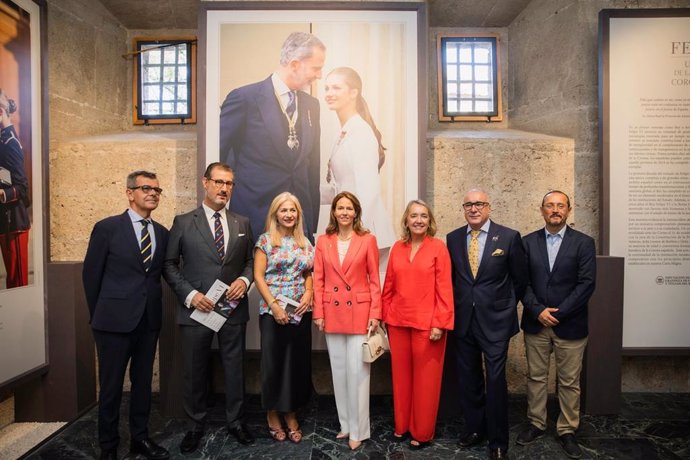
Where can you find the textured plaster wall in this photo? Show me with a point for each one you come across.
(88, 180)
(87, 81)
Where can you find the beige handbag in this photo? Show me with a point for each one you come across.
(375, 345)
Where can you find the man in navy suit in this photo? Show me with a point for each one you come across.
(122, 281)
(562, 272)
(489, 276)
(270, 135)
(207, 244)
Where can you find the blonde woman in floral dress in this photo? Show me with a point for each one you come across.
(283, 261)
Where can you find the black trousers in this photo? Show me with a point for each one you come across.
(196, 345)
(485, 407)
(115, 351)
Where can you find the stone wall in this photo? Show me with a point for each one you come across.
(87, 77)
(88, 180)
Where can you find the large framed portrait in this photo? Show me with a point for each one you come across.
(377, 48)
(22, 284)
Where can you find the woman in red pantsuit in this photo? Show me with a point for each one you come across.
(418, 310)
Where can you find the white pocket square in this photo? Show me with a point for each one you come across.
(241, 234)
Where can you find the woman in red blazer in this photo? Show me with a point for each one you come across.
(418, 310)
(347, 302)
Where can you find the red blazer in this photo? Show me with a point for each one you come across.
(346, 297)
(419, 294)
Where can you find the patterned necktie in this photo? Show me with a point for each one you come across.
(219, 239)
(474, 252)
(145, 244)
(290, 109)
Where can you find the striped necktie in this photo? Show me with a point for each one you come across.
(219, 238)
(145, 244)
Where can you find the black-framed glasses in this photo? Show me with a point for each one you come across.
(477, 204)
(219, 183)
(147, 189)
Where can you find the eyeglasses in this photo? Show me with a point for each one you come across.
(219, 183)
(148, 189)
(477, 204)
(551, 206)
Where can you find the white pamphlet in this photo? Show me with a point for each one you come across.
(212, 319)
(290, 306)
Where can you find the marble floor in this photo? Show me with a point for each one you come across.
(649, 426)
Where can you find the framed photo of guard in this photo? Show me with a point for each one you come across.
(381, 46)
(22, 282)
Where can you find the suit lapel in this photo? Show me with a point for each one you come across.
(273, 117)
(204, 230)
(158, 254)
(132, 238)
(333, 255)
(305, 122)
(231, 237)
(543, 251)
(464, 257)
(352, 251)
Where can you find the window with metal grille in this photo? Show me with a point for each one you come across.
(469, 78)
(164, 80)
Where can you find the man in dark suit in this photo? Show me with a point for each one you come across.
(207, 244)
(562, 272)
(270, 135)
(488, 279)
(122, 281)
(14, 200)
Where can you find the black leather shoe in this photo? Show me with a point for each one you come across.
(498, 454)
(530, 434)
(399, 437)
(149, 449)
(191, 441)
(241, 433)
(470, 439)
(108, 454)
(570, 446)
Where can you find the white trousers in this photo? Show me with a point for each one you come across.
(350, 383)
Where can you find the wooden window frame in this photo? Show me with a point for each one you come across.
(136, 84)
(442, 116)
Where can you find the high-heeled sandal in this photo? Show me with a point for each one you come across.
(294, 436)
(342, 435)
(278, 434)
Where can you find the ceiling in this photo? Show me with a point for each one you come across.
(182, 14)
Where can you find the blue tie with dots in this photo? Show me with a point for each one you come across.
(219, 238)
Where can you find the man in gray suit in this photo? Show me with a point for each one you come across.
(207, 244)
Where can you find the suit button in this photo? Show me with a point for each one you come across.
(348, 288)
(335, 289)
(336, 303)
(349, 303)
